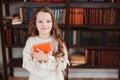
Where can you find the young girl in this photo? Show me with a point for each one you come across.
(43, 28)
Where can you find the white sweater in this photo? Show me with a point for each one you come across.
(52, 70)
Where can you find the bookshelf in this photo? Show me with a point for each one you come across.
(90, 29)
(1, 14)
(95, 30)
(16, 34)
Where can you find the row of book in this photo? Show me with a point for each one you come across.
(78, 16)
(26, 14)
(104, 57)
(100, 58)
(18, 36)
(94, 38)
(63, 0)
(45, 0)
(35, 0)
(92, 0)
(93, 16)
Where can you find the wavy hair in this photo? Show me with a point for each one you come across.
(54, 32)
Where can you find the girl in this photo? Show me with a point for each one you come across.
(43, 28)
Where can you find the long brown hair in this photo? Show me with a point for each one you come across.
(54, 32)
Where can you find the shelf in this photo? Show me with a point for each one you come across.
(86, 47)
(14, 46)
(93, 67)
(15, 62)
(112, 27)
(94, 5)
(96, 41)
(25, 26)
(95, 47)
(38, 4)
(22, 26)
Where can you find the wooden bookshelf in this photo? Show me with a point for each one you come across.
(85, 24)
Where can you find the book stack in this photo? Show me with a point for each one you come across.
(12, 20)
(77, 59)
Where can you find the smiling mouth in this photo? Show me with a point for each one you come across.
(44, 28)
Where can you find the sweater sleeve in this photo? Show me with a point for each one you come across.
(63, 61)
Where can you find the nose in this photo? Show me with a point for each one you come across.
(44, 23)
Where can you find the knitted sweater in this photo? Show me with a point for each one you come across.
(52, 70)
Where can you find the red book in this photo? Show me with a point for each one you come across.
(45, 47)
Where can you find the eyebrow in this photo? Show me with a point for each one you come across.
(43, 19)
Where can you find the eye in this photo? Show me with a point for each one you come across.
(39, 21)
(48, 21)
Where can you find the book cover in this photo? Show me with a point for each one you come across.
(45, 47)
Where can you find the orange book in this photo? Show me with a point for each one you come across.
(45, 47)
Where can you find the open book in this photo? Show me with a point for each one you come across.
(45, 47)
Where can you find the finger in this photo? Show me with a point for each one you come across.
(40, 51)
(32, 55)
(50, 53)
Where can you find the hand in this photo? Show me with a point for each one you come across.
(40, 56)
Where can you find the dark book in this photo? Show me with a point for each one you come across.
(90, 57)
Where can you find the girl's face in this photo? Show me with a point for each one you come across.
(44, 23)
